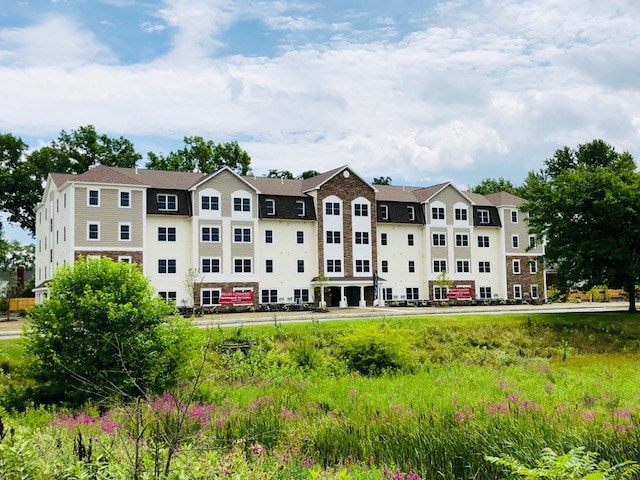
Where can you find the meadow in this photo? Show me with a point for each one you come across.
(411, 398)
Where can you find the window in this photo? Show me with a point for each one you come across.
(362, 266)
(271, 206)
(166, 234)
(64, 234)
(484, 267)
(462, 240)
(332, 208)
(532, 241)
(462, 266)
(533, 266)
(125, 231)
(300, 208)
(210, 265)
(242, 265)
(300, 266)
(361, 210)
(413, 294)
(209, 296)
(514, 216)
(517, 291)
(301, 295)
(167, 202)
(461, 214)
(385, 266)
(64, 201)
(412, 266)
(333, 236)
(384, 210)
(125, 199)
(485, 293)
(439, 293)
(362, 238)
(300, 236)
(167, 265)
(534, 291)
(93, 232)
(437, 213)
(210, 234)
(410, 239)
(94, 198)
(242, 235)
(483, 216)
(412, 213)
(439, 240)
(387, 294)
(125, 259)
(268, 236)
(516, 266)
(168, 296)
(269, 296)
(241, 204)
(334, 266)
(439, 265)
(383, 239)
(209, 203)
(515, 241)
(483, 241)
(268, 266)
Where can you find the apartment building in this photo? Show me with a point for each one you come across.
(331, 239)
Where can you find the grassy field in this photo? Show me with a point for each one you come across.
(389, 398)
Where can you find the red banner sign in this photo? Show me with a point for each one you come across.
(236, 298)
(460, 293)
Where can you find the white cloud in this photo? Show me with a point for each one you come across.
(55, 41)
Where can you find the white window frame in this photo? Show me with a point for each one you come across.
(211, 229)
(270, 205)
(128, 192)
(412, 293)
(440, 263)
(299, 295)
(516, 267)
(387, 294)
(167, 234)
(514, 216)
(167, 266)
(360, 209)
(331, 207)
(243, 235)
(484, 266)
(129, 231)
(484, 217)
(483, 241)
(517, 291)
(268, 236)
(384, 239)
(461, 264)
(411, 266)
(125, 258)
(484, 293)
(89, 224)
(89, 204)
(365, 265)
(438, 213)
(535, 292)
(210, 202)
(268, 265)
(463, 239)
(384, 212)
(244, 260)
(440, 293)
(168, 295)
(463, 213)
(210, 291)
(244, 203)
(533, 267)
(272, 296)
(300, 208)
(411, 240)
(334, 265)
(515, 241)
(165, 197)
(361, 238)
(442, 239)
(412, 213)
(211, 261)
(532, 241)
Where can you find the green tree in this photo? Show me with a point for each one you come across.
(308, 174)
(382, 180)
(586, 204)
(274, 173)
(494, 185)
(22, 176)
(103, 332)
(203, 156)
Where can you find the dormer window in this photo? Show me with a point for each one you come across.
(412, 213)
(385, 212)
(483, 216)
(300, 208)
(167, 202)
(271, 206)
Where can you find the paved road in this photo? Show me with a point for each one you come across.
(265, 318)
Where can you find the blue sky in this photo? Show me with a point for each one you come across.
(421, 91)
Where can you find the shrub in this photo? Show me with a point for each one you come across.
(373, 351)
(102, 333)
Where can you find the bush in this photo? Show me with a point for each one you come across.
(101, 333)
(373, 351)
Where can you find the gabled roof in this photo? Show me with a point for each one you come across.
(425, 194)
(390, 193)
(316, 182)
(112, 175)
(207, 177)
(277, 186)
(479, 199)
(502, 199)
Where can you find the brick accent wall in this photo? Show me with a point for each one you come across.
(136, 257)
(525, 279)
(347, 189)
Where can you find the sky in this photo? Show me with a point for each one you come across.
(417, 90)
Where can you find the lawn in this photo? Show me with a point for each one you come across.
(422, 397)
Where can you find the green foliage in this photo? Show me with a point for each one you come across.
(101, 333)
(586, 204)
(577, 464)
(382, 180)
(275, 173)
(203, 156)
(374, 351)
(23, 175)
(495, 185)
